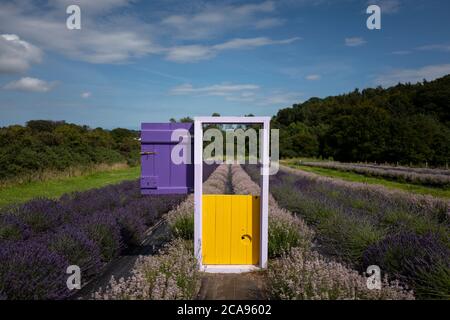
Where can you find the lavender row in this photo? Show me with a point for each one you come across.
(392, 173)
(299, 272)
(406, 235)
(426, 170)
(173, 273)
(41, 238)
(407, 169)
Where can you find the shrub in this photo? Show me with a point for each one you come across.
(29, 271)
(306, 275)
(348, 237)
(173, 274)
(150, 208)
(286, 232)
(106, 198)
(422, 261)
(48, 146)
(183, 226)
(181, 220)
(73, 244)
(12, 228)
(132, 225)
(42, 215)
(103, 229)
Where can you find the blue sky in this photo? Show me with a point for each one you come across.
(149, 61)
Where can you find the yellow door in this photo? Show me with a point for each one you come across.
(230, 229)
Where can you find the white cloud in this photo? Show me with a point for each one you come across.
(267, 6)
(354, 42)
(99, 40)
(313, 77)
(245, 93)
(93, 6)
(396, 76)
(435, 47)
(216, 19)
(86, 95)
(240, 43)
(268, 23)
(110, 36)
(224, 89)
(279, 99)
(30, 85)
(194, 53)
(387, 6)
(17, 55)
(401, 52)
(243, 97)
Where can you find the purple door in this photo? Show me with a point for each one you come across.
(159, 174)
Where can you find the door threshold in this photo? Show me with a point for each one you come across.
(229, 268)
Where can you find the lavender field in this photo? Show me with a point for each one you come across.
(296, 269)
(41, 238)
(173, 273)
(323, 233)
(360, 225)
(421, 176)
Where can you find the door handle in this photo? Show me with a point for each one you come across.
(246, 237)
(149, 153)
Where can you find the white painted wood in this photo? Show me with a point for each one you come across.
(230, 268)
(198, 189)
(264, 194)
(232, 120)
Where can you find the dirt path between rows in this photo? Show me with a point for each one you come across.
(234, 286)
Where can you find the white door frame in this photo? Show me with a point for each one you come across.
(198, 188)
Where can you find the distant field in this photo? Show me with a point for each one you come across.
(57, 187)
(349, 176)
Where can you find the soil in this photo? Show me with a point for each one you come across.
(232, 286)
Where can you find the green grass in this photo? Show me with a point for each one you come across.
(355, 177)
(57, 187)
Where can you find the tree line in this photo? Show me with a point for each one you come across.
(407, 123)
(57, 145)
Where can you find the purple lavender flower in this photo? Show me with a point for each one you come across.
(87, 229)
(12, 228)
(42, 215)
(422, 261)
(73, 243)
(132, 225)
(104, 230)
(28, 270)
